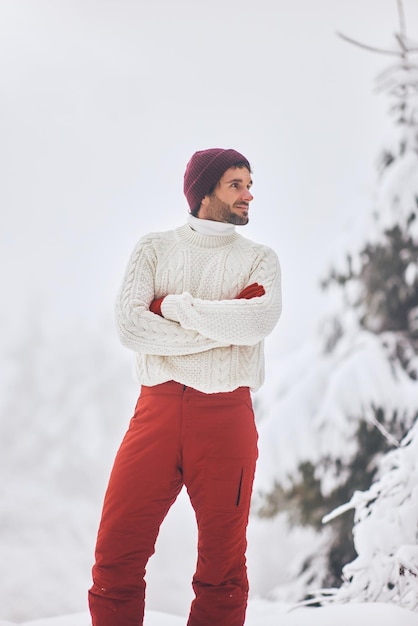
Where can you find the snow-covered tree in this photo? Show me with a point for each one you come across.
(357, 395)
(386, 533)
(386, 514)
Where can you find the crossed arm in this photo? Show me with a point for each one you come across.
(179, 324)
(252, 291)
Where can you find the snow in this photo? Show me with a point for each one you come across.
(396, 198)
(264, 613)
(322, 396)
(385, 534)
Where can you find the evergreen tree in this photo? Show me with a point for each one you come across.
(368, 370)
(385, 533)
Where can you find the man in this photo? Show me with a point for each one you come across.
(195, 306)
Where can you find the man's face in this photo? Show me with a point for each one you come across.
(230, 200)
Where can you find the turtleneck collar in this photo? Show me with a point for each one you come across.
(210, 227)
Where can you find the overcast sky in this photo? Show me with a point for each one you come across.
(102, 103)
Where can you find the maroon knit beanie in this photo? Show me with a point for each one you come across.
(205, 169)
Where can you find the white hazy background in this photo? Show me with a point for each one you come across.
(102, 104)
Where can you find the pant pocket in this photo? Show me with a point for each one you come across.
(228, 483)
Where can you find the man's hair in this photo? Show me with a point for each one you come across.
(238, 164)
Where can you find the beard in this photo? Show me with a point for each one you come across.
(223, 212)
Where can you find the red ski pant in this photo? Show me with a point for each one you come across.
(179, 436)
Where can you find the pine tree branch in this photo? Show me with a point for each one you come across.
(359, 498)
(382, 430)
(401, 14)
(407, 566)
(401, 42)
(339, 510)
(367, 47)
(407, 48)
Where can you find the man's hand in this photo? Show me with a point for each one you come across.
(155, 306)
(252, 291)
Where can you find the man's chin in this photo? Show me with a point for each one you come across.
(240, 220)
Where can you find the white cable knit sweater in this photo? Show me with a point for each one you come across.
(208, 339)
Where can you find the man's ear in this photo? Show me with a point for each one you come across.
(204, 203)
(203, 207)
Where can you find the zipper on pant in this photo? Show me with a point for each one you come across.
(239, 487)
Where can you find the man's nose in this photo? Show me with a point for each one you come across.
(248, 196)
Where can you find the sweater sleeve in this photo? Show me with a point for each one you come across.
(235, 321)
(141, 330)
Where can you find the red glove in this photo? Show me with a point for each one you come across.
(252, 291)
(155, 306)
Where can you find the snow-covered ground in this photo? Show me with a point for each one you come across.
(264, 613)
